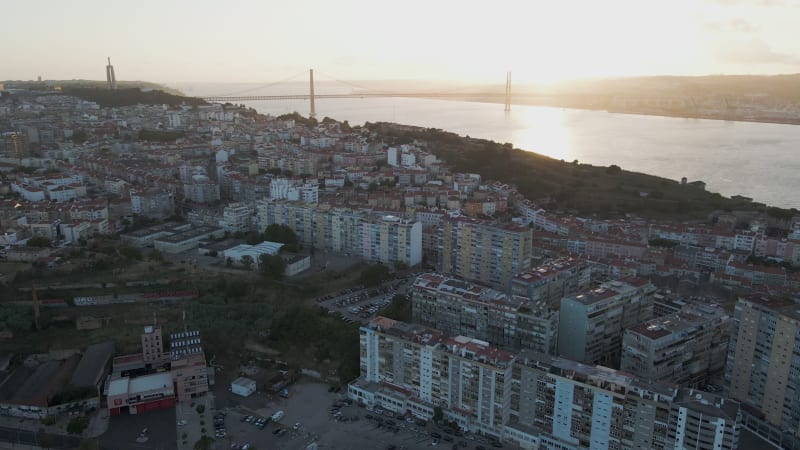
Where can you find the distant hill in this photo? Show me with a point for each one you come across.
(778, 87)
(91, 84)
(607, 192)
(127, 92)
(132, 96)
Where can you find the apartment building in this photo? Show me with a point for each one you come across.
(470, 380)
(201, 190)
(152, 203)
(685, 348)
(763, 369)
(460, 308)
(569, 405)
(387, 239)
(552, 281)
(482, 252)
(188, 364)
(591, 323)
(530, 399)
(236, 218)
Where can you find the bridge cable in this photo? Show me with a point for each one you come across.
(236, 94)
(342, 81)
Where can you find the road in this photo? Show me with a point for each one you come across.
(26, 437)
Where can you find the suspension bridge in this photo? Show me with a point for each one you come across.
(312, 97)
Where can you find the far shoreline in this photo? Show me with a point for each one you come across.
(622, 111)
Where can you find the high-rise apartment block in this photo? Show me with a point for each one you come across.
(466, 377)
(686, 348)
(188, 364)
(763, 366)
(591, 323)
(483, 252)
(530, 399)
(552, 281)
(387, 239)
(460, 308)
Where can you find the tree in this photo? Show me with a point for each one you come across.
(155, 255)
(204, 443)
(77, 425)
(247, 262)
(88, 444)
(283, 234)
(130, 252)
(38, 241)
(613, 169)
(272, 266)
(398, 309)
(438, 414)
(374, 275)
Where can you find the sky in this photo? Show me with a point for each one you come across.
(465, 41)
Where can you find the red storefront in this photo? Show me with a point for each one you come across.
(140, 394)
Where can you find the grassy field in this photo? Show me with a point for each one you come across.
(232, 310)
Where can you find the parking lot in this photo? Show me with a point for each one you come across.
(359, 304)
(308, 416)
(152, 430)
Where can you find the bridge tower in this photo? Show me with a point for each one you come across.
(313, 112)
(508, 91)
(111, 78)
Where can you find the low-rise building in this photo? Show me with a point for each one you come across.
(186, 240)
(252, 252)
(141, 394)
(243, 386)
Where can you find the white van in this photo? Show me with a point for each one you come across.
(277, 416)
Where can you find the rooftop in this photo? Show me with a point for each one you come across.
(92, 364)
(444, 285)
(188, 234)
(152, 382)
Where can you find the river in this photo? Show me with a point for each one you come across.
(757, 160)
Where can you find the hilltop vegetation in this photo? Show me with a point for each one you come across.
(87, 84)
(572, 186)
(133, 96)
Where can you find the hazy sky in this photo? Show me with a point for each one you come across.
(471, 41)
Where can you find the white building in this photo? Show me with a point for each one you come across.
(243, 386)
(236, 254)
(29, 193)
(286, 189)
(236, 217)
(391, 157)
(309, 193)
(408, 159)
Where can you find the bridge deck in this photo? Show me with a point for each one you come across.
(361, 95)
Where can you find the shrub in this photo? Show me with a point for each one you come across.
(77, 425)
